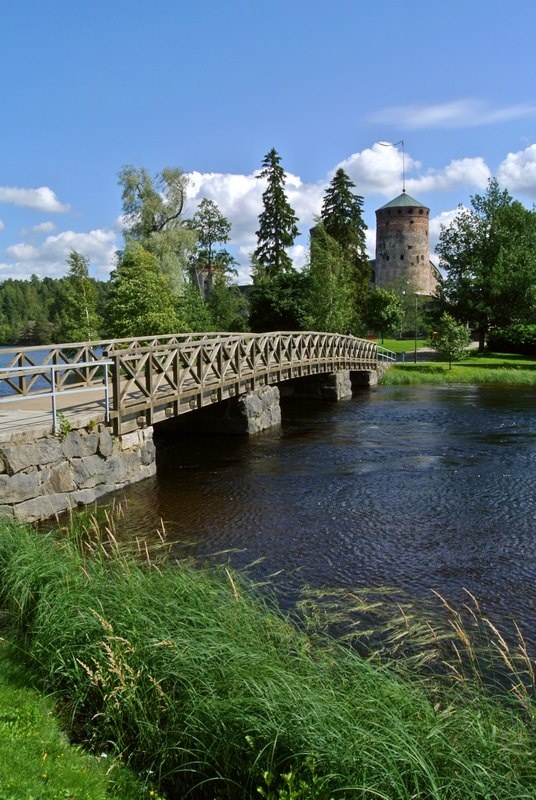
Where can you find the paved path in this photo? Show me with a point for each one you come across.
(27, 419)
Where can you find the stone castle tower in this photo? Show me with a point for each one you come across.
(402, 246)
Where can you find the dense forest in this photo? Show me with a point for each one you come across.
(31, 312)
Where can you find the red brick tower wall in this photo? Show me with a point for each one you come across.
(403, 248)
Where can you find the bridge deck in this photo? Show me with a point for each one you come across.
(31, 418)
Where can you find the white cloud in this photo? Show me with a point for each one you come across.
(41, 199)
(239, 198)
(463, 113)
(299, 254)
(378, 169)
(2, 225)
(442, 220)
(50, 257)
(518, 172)
(460, 172)
(22, 252)
(370, 238)
(44, 227)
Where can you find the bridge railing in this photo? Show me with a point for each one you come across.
(79, 355)
(386, 355)
(153, 382)
(154, 377)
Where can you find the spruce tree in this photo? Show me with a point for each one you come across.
(339, 265)
(277, 222)
(341, 215)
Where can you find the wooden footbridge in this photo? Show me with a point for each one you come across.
(133, 383)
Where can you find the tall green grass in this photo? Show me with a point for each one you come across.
(198, 682)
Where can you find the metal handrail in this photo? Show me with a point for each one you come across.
(385, 355)
(52, 369)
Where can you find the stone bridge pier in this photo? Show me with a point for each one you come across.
(260, 409)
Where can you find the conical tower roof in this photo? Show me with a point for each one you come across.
(403, 200)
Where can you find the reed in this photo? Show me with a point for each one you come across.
(198, 681)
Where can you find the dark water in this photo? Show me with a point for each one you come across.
(419, 488)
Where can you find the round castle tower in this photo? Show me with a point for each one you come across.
(402, 246)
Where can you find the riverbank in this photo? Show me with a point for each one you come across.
(194, 678)
(478, 368)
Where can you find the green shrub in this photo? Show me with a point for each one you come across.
(519, 338)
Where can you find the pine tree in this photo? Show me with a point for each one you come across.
(277, 222)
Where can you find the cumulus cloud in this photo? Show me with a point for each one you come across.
(50, 257)
(239, 198)
(518, 172)
(41, 199)
(43, 227)
(442, 220)
(460, 172)
(378, 169)
(463, 113)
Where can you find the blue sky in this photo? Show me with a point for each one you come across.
(210, 86)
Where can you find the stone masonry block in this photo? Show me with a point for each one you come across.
(78, 444)
(57, 479)
(17, 488)
(42, 452)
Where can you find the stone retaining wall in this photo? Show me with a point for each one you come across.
(51, 474)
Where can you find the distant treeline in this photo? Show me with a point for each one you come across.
(31, 312)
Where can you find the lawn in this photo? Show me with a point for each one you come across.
(477, 368)
(36, 760)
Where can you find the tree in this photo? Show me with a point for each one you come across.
(339, 265)
(489, 253)
(211, 228)
(331, 300)
(450, 339)
(140, 301)
(277, 222)
(341, 215)
(227, 305)
(152, 210)
(79, 320)
(192, 309)
(383, 312)
(278, 303)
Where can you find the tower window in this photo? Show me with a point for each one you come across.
(420, 210)
(402, 257)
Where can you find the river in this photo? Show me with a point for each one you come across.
(418, 488)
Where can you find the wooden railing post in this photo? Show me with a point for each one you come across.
(116, 391)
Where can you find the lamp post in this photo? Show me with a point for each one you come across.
(416, 322)
(395, 144)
